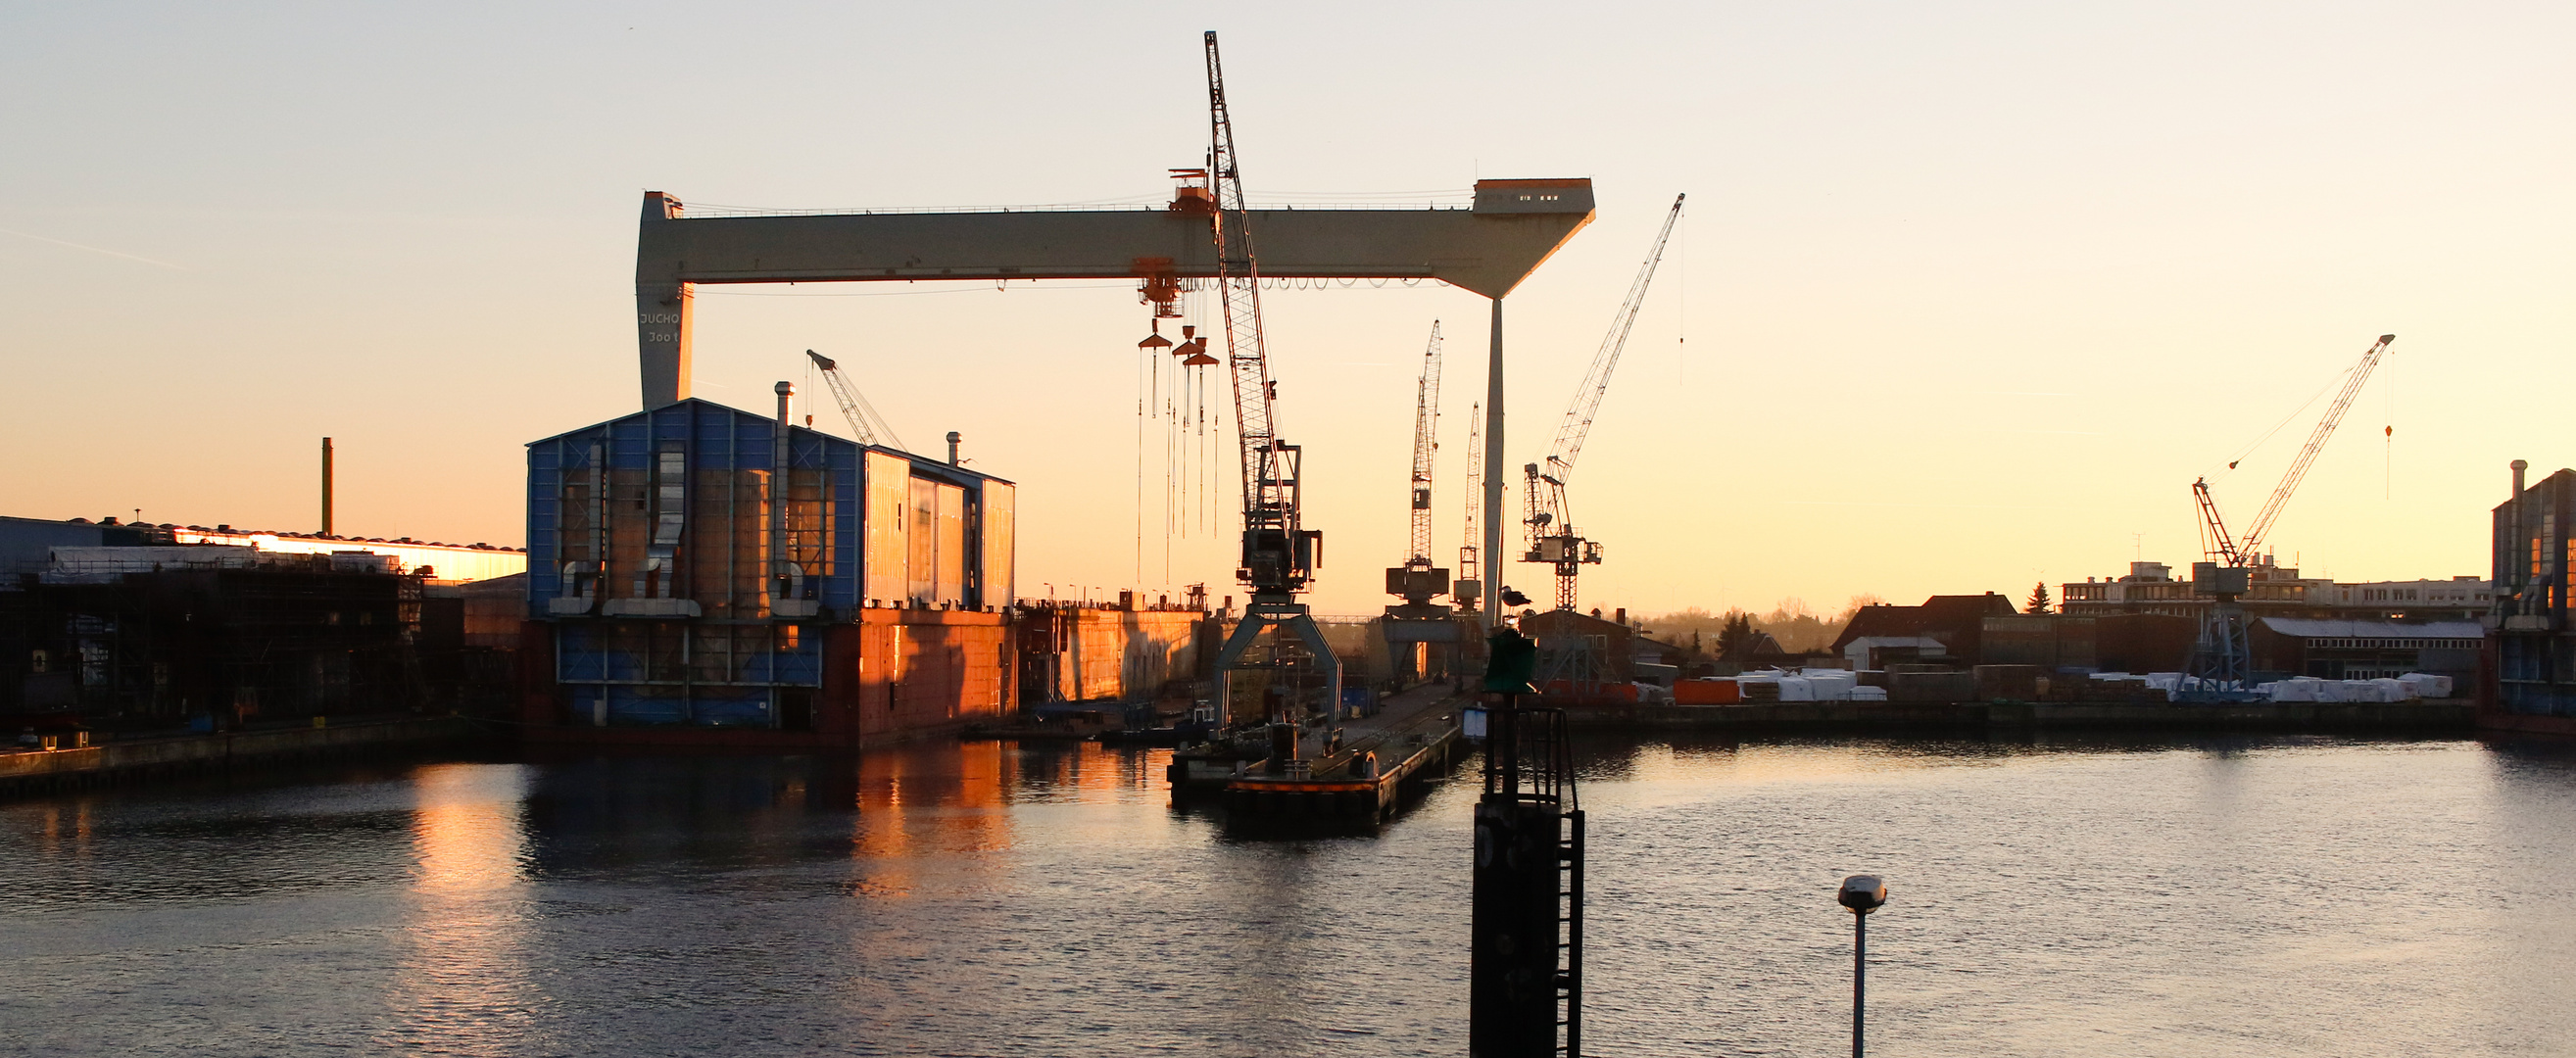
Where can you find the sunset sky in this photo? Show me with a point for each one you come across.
(1967, 294)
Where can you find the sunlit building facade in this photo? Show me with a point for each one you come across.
(700, 569)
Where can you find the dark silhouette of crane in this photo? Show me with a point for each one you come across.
(1553, 539)
(1279, 553)
(1418, 620)
(1469, 588)
(1426, 445)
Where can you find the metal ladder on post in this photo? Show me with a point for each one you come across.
(1569, 947)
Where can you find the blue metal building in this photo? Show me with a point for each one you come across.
(691, 562)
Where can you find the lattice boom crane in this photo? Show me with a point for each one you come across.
(1426, 445)
(2245, 550)
(1550, 524)
(865, 424)
(1469, 589)
(1279, 552)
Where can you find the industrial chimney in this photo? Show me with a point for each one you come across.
(785, 391)
(953, 438)
(326, 486)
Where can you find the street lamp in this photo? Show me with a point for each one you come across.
(1862, 893)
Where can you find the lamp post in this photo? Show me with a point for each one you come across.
(1862, 893)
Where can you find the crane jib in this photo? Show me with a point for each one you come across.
(2242, 550)
(1550, 524)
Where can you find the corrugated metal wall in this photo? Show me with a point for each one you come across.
(691, 557)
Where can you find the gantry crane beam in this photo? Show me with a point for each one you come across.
(1513, 226)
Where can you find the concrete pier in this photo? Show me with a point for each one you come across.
(1415, 735)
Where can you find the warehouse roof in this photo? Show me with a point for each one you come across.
(2308, 628)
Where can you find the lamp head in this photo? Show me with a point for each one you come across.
(1862, 893)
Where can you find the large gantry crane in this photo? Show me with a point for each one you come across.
(2222, 657)
(1419, 580)
(1553, 539)
(1487, 249)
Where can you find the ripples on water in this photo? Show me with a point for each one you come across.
(2289, 897)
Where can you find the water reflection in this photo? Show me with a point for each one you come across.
(2201, 897)
(463, 983)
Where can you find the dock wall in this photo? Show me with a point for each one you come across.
(43, 772)
(2443, 715)
(1122, 655)
(890, 676)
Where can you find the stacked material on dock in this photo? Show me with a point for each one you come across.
(1777, 685)
(2412, 686)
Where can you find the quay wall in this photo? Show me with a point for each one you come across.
(2437, 715)
(35, 772)
(1126, 655)
(891, 675)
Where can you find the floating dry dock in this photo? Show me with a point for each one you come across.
(1415, 736)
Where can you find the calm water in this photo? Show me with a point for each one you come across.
(2294, 897)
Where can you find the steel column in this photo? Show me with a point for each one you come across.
(1490, 563)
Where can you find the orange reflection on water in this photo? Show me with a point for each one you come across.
(931, 800)
(466, 835)
(1091, 771)
(80, 828)
(464, 980)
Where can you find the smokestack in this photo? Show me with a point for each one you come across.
(785, 391)
(326, 486)
(953, 438)
(2519, 573)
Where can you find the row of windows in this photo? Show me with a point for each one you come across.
(2419, 595)
(2394, 644)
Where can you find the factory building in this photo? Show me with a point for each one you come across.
(2531, 649)
(2279, 591)
(138, 627)
(708, 574)
(2364, 650)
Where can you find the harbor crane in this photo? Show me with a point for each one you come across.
(1279, 553)
(1419, 580)
(2222, 656)
(868, 427)
(1469, 589)
(1426, 445)
(1553, 539)
(2246, 550)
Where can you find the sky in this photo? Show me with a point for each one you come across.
(1966, 296)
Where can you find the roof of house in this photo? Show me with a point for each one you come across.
(1940, 613)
